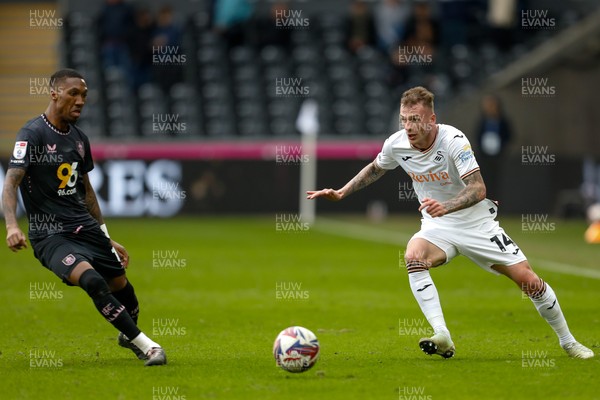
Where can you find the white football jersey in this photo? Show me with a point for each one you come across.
(437, 172)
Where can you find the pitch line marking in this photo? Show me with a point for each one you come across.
(377, 235)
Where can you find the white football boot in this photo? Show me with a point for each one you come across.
(440, 343)
(577, 350)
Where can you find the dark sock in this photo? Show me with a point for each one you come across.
(127, 297)
(114, 312)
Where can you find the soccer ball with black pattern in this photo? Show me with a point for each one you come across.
(296, 349)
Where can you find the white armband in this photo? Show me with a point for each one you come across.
(103, 228)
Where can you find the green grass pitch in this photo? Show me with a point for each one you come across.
(211, 294)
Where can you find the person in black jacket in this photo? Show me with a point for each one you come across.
(493, 135)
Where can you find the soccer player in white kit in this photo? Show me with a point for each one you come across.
(457, 218)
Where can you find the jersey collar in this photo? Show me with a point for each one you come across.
(54, 128)
(437, 131)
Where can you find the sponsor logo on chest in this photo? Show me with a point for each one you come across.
(431, 176)
(437, 174)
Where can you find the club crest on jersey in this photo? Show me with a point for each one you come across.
(439, 157)
(80, 148)
(20, 150)
(51, 149)
(68, 260)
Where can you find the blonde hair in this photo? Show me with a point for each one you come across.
(417, 95)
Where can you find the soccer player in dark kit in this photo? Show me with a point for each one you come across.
(50, 165)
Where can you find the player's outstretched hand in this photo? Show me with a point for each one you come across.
(123, 255)
(329, 194)
(15, 239)
(433, 207)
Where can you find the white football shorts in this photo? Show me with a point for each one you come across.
(485, 245)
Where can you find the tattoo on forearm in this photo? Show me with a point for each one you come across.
(470, 195)
(9, 194)
(364, 178)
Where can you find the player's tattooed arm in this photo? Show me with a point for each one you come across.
(91, 201)
(472, 194)
(15, 238)
(13, 179)
(365, 177)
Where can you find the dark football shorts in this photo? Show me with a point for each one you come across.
(61, 253)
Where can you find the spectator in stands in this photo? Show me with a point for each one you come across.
(231, 18)
(422, 26)
(458, 20)
(390, 20)
(417, 51)
(167, 42)
(114, 32)
(493, 136)
(167, 31)
(360, 26)
(267, 31)
(140, 47)
(493, 130)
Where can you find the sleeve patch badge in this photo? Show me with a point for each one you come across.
(466, 153)
(20, 150)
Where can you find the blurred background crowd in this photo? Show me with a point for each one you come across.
(217, 67)
(518, 77)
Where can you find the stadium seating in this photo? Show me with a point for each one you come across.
(231, 91)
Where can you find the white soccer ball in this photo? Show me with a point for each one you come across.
(296, 349)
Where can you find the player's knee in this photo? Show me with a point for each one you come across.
(533, 286)
(117, 283)
(414, 255)
(416, 260)
(94, 284)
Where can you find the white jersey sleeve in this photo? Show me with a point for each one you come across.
(462, 154)
(385, 159)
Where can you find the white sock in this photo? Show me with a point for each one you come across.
(548, 307)
(144, 343)
(427, 296)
